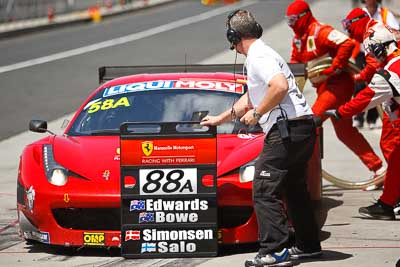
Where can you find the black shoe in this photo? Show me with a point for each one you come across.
(296, 253)
(379, 211)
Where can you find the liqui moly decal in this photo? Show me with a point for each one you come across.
(172, 84)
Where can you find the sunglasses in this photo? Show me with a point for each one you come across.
(347, 22)
(291, 19)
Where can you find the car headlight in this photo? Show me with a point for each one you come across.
(246, 172)
(55, 173)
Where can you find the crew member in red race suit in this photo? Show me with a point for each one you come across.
(357, 24)
(314, 40)
(384, 88)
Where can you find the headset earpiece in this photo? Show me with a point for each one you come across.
(259, 30)
(231, 34)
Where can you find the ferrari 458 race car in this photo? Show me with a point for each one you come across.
(68, 188)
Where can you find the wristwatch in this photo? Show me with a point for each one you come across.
(256, 115)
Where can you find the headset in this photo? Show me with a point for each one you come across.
(233, 36)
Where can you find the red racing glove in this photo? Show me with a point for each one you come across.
(330, 71)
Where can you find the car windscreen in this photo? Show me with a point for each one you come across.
(104, 115)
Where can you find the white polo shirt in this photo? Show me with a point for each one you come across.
(262, 64)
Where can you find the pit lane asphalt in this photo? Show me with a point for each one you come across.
(61, 86)
(348, 240)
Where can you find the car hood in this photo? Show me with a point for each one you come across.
(97, 157)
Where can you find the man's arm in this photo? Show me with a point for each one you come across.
(376, 93)
(277, 90)
(343, 45)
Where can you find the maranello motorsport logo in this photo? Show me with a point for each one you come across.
(148, 147)
(169, 241)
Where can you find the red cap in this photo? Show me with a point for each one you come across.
(355, 23)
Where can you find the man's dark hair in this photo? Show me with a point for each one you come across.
(244, 23)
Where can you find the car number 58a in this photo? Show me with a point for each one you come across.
(168, 181)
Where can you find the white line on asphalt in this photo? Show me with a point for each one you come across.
(125, 39)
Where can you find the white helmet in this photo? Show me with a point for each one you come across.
(380, 41)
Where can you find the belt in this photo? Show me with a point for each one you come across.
(304, 117)
(307, 119)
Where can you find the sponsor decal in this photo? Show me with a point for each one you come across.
(297, 43)
(132, 235)
(137, 205)
(168, 181)
(118, 155)
(93, 239)
(311, 44)
(30, 198)
(107, 104)
(172, 84)
(265, 174)
(146, 217)
(246, 136)
(43, 237)
(129, 181)
(147, 147)
(66, 198)
(116, 238)
(337, 37)
(106, 174)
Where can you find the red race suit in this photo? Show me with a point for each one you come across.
(384, 89)
(318, 40)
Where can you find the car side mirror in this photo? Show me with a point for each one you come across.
(38, 126)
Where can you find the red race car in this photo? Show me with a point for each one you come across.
(68, 189)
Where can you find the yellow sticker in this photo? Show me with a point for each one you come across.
(311, 44)
(108, 104)
(93, 239)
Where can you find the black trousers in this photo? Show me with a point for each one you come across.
(281, 173)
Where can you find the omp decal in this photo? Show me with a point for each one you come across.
(172, 84)
(108, 104)
(93, 239)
